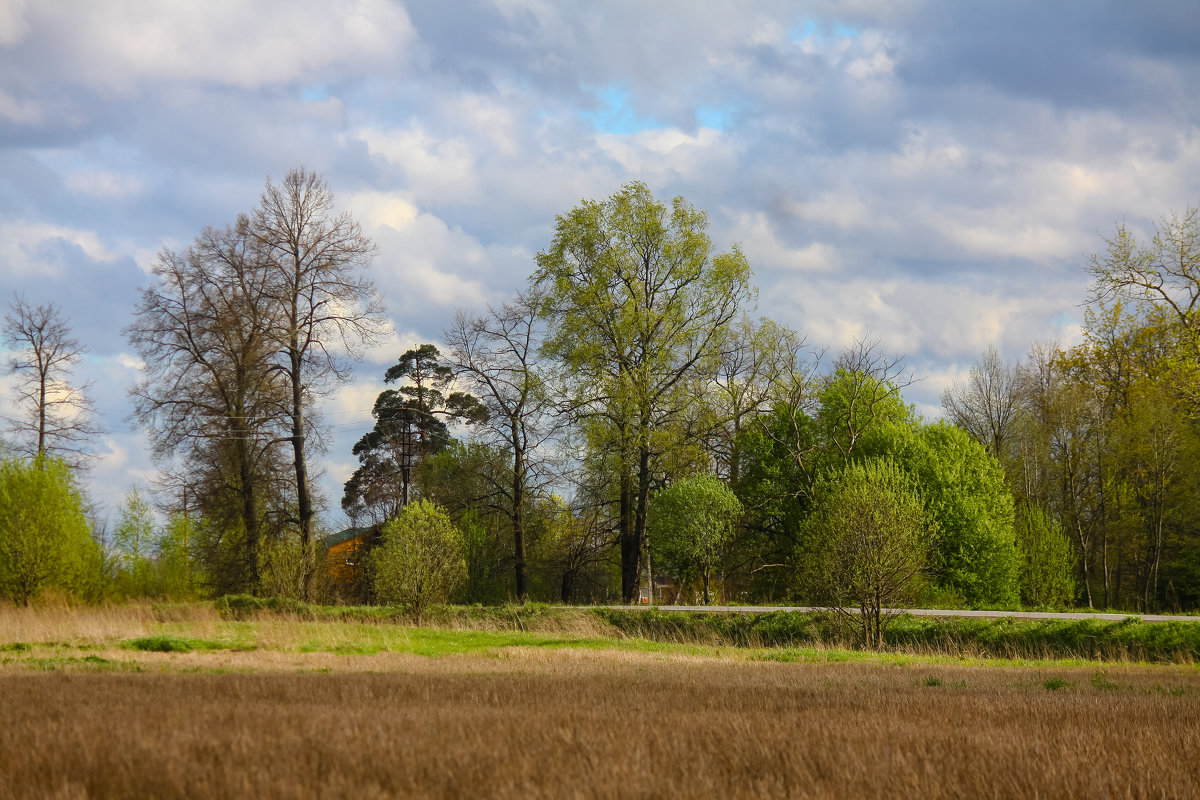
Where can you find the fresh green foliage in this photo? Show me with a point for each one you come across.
(166, 643)
(420, 561)
(866, 545)
(176, 558)
(964, 492)
(639, 307)
(692, 521)
(45, 541)
(1005, 637)
(1047, 564)
(134, 544)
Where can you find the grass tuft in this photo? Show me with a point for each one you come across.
(166, 643)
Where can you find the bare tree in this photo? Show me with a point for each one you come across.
(986, 405)
(209, 398)
(495, 355)
(757, 356)
(56, 416)
(325, 309)
(1165, 272)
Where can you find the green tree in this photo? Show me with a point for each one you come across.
(1047, 562)
(1165, 273)
(692, 522)
(638, 306)
(965, 494)
(176, 558)
(420, 561)
(45, 541)
(462, 480)
(866, 544)
(135, 541)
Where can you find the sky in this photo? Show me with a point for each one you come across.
(930, 174)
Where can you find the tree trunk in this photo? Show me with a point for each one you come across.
(41, 448)
(249, 511)
(631, 551)
(518, 516)
(641, 515)
(305, 511)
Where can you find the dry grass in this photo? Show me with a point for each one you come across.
(60, 622)
(336, 709)
(584, 724)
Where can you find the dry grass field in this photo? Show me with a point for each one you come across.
(285, 708)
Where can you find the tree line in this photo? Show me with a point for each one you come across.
(626, 426)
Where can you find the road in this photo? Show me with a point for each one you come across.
(923, 612)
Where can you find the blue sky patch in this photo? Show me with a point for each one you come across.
(615, 114)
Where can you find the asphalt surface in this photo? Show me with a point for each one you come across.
(926, 612)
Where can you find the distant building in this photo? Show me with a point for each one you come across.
(345, 559)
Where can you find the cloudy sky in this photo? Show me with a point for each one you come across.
(934, 174)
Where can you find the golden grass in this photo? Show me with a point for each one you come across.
(571, 723)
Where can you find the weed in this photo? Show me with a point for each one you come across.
(1054, 684)
(932, 681)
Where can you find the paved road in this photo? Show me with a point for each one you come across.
(924, 612)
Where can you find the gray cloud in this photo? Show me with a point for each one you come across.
(934, 173)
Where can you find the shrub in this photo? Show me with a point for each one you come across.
(45, 541)
(420, 561)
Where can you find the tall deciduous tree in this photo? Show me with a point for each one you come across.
(638, 305)
(986, 405)
(209, 397)
(325, 309)
(496, 356)
(56, 416)
(756, 357)
(1164, 272)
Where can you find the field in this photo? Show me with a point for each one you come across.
(137, 701)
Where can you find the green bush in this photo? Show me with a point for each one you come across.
(45, 540)
(420, 561)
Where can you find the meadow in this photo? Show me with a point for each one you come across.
(187, 701)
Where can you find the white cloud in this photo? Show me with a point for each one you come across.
(20, 240)
(103, 183)
(118, 46)
(443, 169)
(764, 250)
(21, 112)
(661, 155)
(13, 23)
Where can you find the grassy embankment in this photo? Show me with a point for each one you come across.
(246, 625)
